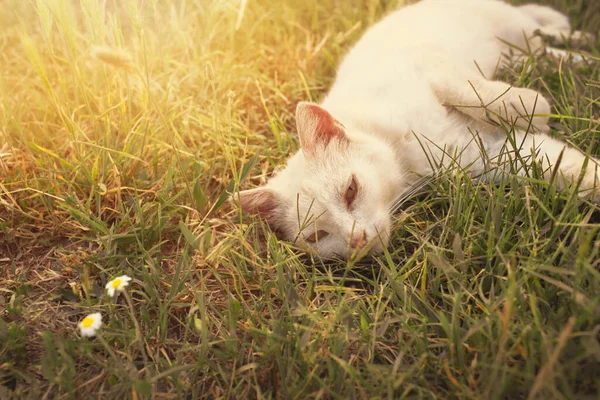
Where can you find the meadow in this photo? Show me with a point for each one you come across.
(125, 124)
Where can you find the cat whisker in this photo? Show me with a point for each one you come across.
(414, 188)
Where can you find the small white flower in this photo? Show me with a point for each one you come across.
(90, 324)
(117, 285)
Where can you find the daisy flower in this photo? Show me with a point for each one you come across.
(117, 285)
(90, 324)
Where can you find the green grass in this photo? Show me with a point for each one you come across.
(118, 161)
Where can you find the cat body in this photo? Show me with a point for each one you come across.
(416, 88)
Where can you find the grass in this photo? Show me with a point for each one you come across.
(122, 126)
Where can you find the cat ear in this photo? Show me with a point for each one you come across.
(316, 127)
(260, 201)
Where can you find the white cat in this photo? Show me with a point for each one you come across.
(416, 87)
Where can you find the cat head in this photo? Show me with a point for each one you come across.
(334, 195)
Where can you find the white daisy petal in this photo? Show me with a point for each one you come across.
(117, 285)
(90, 325)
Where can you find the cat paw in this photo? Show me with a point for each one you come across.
(582, 38)
(594, 165)
(525, 107)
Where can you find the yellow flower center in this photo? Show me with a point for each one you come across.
(87, 322)
(116, 283)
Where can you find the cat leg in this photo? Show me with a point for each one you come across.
(547, 16)
(560, 162)
(559, 53)
(555, 25)
(494, 102)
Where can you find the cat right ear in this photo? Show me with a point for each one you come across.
(316, 127)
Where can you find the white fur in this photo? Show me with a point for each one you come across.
(415, 79)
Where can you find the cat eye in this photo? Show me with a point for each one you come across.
(318, 235)
(351, 192)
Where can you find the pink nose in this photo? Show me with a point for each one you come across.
(359, 240)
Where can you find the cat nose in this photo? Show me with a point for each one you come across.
(359, 240)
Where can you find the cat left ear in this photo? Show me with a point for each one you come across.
(316, 127)
(260, 201)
